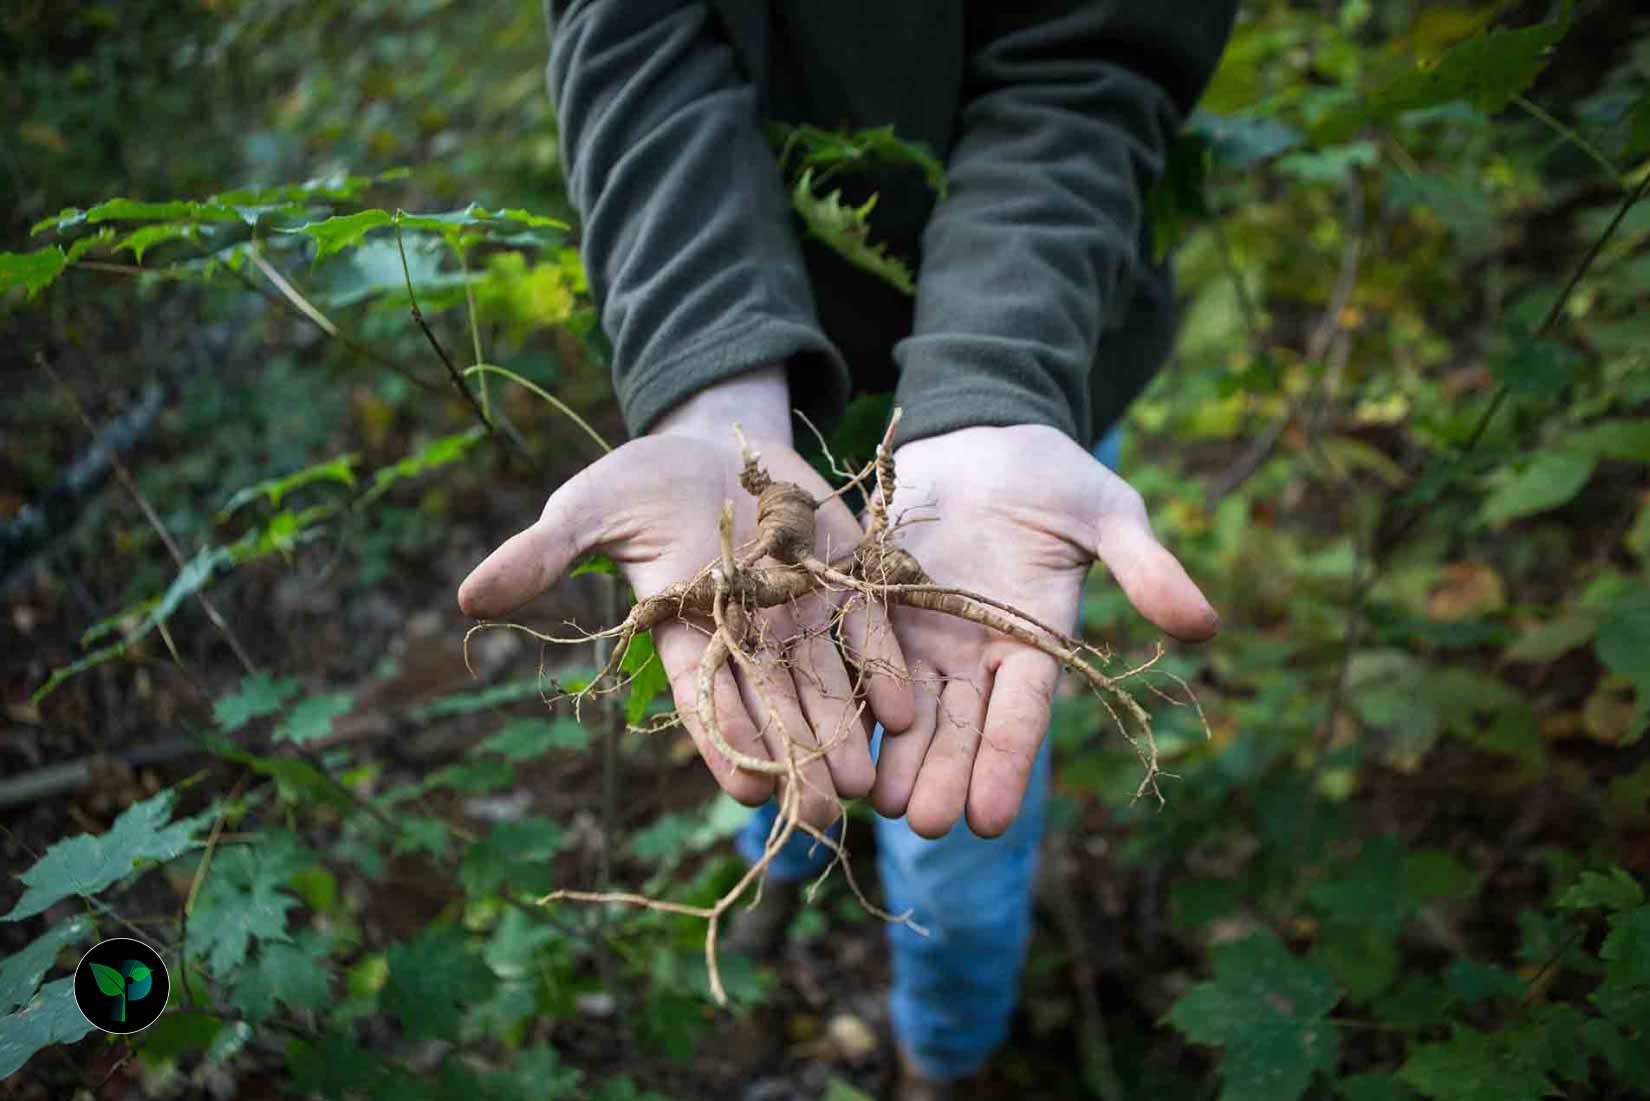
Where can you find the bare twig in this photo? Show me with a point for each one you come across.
(149, 514)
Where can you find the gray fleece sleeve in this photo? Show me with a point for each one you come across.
(687, 241)
(1068, 110)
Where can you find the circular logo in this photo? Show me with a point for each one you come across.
(121, 986)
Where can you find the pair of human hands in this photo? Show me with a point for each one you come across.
(1016, 513)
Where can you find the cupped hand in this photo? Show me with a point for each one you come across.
(652, 505)
(1018, 514)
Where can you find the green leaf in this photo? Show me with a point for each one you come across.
(422, 835)
(514, 853)
(1612, 890)
(259, 694)
(340, 470)
(110, 981)
(1266, 1008)
(1623, 644)
(139, 973)
(1625, 439)
(175, 1034)
(432, 977)
(1473, 982)
(243, 899)
(1627, 947)
(313, 717)
(647, 675)
(1331, 165)
(434, 455)
(1537, 368)
(595, 563)
(21, 972)
(341, 231)
(50, 1017)
(847, 232)
(1474, 1066)
(524, 739)
(807, 148)
(33, 270)
(1238, 142)
(133, 210)
(296, 975)
(1373, 1087)
(86, 864)
(1487, 70)
(1553, 639)
(332, 1067)
(1549, 480)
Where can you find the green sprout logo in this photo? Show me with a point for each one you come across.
(128, 982)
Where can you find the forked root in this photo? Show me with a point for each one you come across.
(724, 600)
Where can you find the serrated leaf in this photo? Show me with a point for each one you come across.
(331, 1066)
(1266, 1008)
(244, 900)
(87, 864)
(1473, 1066)
(524, 739)
(274, 490)
(432, 456)
(134, 210)
(32, 270)
(809, 148)
(312, 718)
(294, 974)
(50, 1017)
(342, 231)
(423, 835)
(21, 972)
(1551, 479)
(1627, 947)
(514, 853)
(1615, 889)
(1487, 70)
(846, 231)
(259, 694)
(431, 978)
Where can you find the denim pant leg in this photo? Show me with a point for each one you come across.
(955, 989)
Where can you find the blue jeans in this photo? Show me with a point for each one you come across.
(954, 990)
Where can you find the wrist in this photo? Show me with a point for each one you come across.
(758, 401)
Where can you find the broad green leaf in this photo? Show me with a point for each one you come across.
(513, 949)
(21, 972)
(259, 694)
(845, 230)
(1329, 165)
(296, 975)
(133, 210)
(1432, 874)
(139, 973)
(342, 231)
(1266, 1008)
(274, 490)
(333, 1067)
(1487, 70)
(432, 977)
(1537, 368)
(647, 675)
(1624, 439)
(244, 900)
(671, 837)
(1551, 479)
(517, 854)
(1555, 638)
(176, 1034)
(110, 981)
(434, 455)
(1623, 644)
(50, 1017)
(87, 864)
(1473, 982)
(1613, 890)
(1627, 947)
(524, 739)
(595, 563)
(417, 834)
(142, 240)
(312, 718)
(33, 270)
(1474, 1066)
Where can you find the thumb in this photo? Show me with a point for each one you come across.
(532, 560)
(1153, 579)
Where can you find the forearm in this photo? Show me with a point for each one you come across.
(687, 237)
(1034, 250)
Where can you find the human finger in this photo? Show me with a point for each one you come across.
(901, 757)
(941, 790)
(1016, 721)
(680, 649)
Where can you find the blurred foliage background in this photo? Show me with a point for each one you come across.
(1402, 444)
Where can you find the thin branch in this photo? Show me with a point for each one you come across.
(125, 475)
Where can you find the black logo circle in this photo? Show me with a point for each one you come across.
(121, 986)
